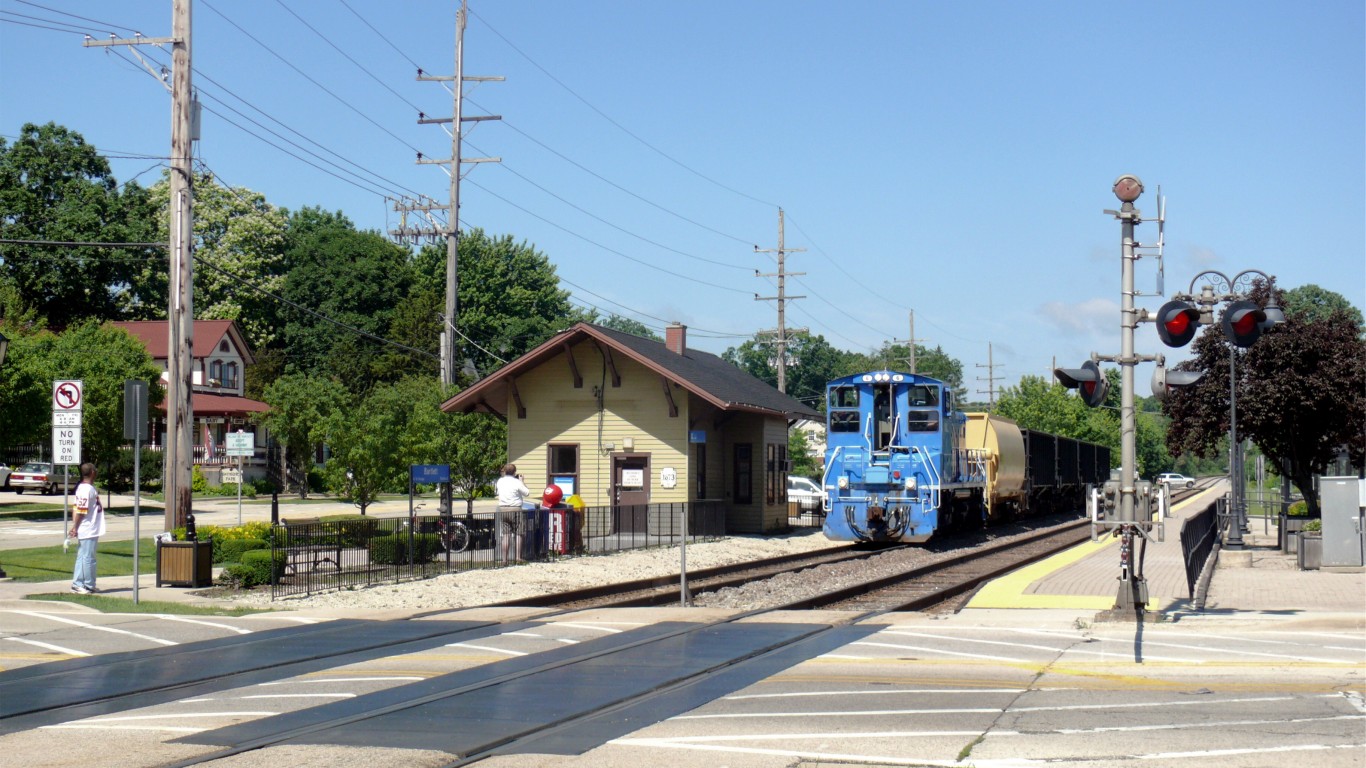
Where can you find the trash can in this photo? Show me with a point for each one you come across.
(1310, 554)
(559, 520)
(534, 524)
(185, 563)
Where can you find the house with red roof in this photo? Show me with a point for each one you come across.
(219, 356)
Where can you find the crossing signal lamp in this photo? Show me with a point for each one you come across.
(1177, 322)
(1165, 382)
(1243, 323)
(1088, 380)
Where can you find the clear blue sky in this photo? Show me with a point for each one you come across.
(951, 158)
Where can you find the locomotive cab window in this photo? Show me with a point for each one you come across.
(844, 421)
(922, 420)
(923, 394)
(844, 397)
(882, 416)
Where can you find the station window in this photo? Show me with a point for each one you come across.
(775, 481)
(562, 467)
(744, 473)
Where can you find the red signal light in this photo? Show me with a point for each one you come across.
(1176, 323)
(1243, 323)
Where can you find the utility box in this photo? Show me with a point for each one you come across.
(1344, 529)
(185, 563)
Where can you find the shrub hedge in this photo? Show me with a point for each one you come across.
(266, 567)
(393, 550)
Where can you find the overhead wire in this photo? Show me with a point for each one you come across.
(75, 16)
(380, 34)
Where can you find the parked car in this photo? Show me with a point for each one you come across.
(1176, 480)
(44, 477)
(805, 492)
(4, 476)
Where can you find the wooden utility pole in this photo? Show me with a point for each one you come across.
(912, 341)
(452, 228)
(780, 333)
(990, 378)
(179, 454)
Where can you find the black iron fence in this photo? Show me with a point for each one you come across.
(316, 556)
(1198, 534)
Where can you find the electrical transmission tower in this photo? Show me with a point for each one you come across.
(780, 334)
(990, 378)
(911, 341)
(451, 230)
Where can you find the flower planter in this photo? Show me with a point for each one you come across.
(185, 563)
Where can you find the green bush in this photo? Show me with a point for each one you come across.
(267, 566)
(393, 550)
(231, 550)
(197, 482)
(238, 576)
(1299, 509)
(1313, 526)
(354, 530)
(118, 474)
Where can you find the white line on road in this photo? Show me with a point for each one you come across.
(862, 713)
(593, 628)
(937, 650)
(172, 728)
(903, 633)
(88, 625)
(228, 627)
(490, 649)
(885, 692)
(347, 679)
(131, 718)
(49, 646)
(299, 696)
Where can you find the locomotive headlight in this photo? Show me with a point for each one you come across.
(910, 484)
(844, 483)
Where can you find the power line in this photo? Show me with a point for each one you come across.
(105, 24)
(619, 126)
(379, 34)
(42, 26)
(605, 248)
(303, 74)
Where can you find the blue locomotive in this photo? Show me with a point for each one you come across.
(902, 462)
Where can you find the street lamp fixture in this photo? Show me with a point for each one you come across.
(1128, 188)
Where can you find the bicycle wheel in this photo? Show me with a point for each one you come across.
(458, 537)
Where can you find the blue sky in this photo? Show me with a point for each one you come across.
(950, 158)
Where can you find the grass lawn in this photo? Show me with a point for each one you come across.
(35, 510)
(114, 558)
(126, 605)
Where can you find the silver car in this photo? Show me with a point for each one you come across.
(44, 477)
(4, 476)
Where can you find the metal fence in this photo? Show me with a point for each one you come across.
(1198, 535)
(799, 517)
(317, 556)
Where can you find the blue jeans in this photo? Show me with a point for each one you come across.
(85, 564)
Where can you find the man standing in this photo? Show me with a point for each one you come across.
(512, 493)
(87, 525)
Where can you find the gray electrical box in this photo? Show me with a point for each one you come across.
(1344, 529)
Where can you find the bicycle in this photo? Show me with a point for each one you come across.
(453, 535)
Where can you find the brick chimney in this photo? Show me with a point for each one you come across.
(676, 338)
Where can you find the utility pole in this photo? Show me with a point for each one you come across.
(452, 228)
(990, 378)
(180, 312)
(912, 341)
(780, 334)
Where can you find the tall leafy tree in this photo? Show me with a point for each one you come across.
(935, 363)
(299, 404)
(812, 362)
(473, 445)
(372, 444)
(56, 187)
(509, 298)
(1312, 303)
(238, 237)
(1301, 392)
(354, 277)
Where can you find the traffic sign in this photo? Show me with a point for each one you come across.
(66, 395)
(231, 476)
(241, 443)
(66, 445)
(66, 418)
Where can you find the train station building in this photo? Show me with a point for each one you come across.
(643, 428)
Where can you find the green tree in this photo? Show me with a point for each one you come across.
(356, 278)
(627, 325)
(509, 300)
(935, 363)
(371, 444)
(299, 404)
(1311, 303)
(54, 186)
(25, 386)
(238, 236)
(102, 358)
(799, 453)
(473, 445)
(812, 363)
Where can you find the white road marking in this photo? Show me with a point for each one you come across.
(812, 754)
(1153, 704)
(863, 713)
(490, 649)
(936, 650)
(599, 629)
(177, 715)
(885, 692)
(564, 640)
(299, 696)
(228, 627)
(1201, 724)
(172, 728)
(901, 633)
(96, 627)
(835, 735)
(347, 680)
(1239, 652)
(49, 646)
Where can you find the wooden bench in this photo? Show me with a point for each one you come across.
(306, 539)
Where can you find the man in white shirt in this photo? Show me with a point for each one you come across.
(512, 493)
(87, 526)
